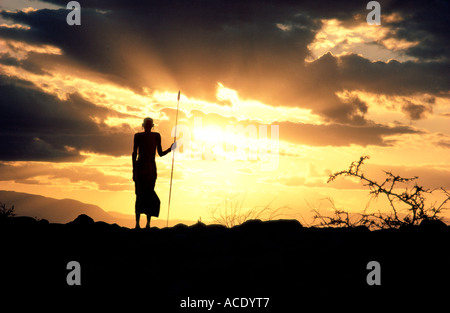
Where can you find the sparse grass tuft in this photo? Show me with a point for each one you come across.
(230, 212)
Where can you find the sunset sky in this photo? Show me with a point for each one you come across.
(324, 85)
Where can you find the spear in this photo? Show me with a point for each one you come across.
(173, 159)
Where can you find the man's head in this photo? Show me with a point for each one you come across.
(148, 124)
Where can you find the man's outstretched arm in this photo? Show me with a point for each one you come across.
(158, 145)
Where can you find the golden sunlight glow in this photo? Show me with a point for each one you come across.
(392, 18)
(225, 139)
(396, 45)
(230, 143)
(226, 94)
(16, 26)
(61, 84)
(239, 108)
(20, 50)
(302, 170)
(29, 9)
(211, 134)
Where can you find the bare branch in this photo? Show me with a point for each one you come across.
(413, 197)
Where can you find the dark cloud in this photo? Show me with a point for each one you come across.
(393, 77)
(168, 44)
(329, 74)
(341, 135)
(30, 173)
(443, 140)
(26, 148)
(444, 144)
(427, 23)
(255, 48)
(27, 64)
(416, 111)
(35, 125)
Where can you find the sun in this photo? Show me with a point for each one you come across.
(210, 134)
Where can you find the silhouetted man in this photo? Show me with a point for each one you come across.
(144, 171)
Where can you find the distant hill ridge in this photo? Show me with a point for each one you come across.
(66, 210)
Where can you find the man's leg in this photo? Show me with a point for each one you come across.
(148, 221)
(137, 204)
(138, 217)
